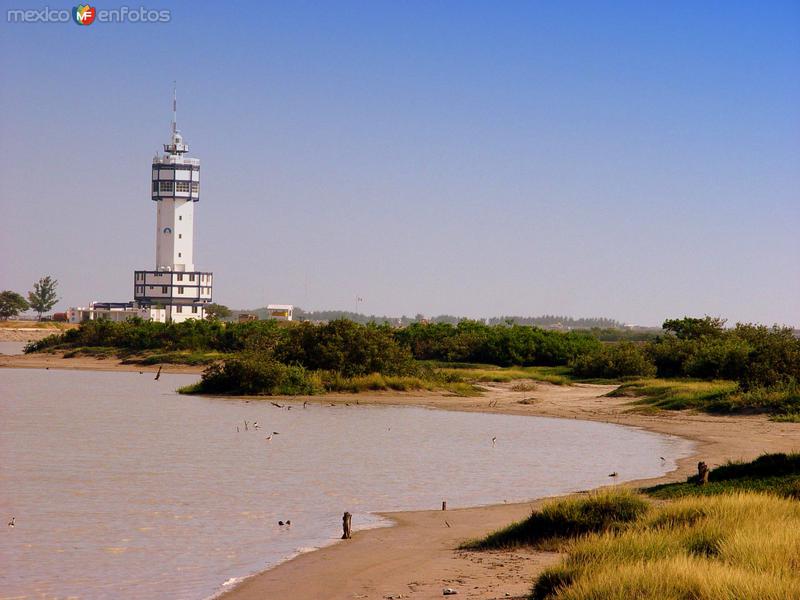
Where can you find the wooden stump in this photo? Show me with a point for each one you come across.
(346, 519)
(702, 473)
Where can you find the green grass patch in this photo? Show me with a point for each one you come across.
(780, 401)
(562, 520)
(770, 473)
(743, 546)
(676, 394)
(175, 358)
(490, 374)
(93, 351)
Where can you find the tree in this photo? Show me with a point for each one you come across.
(692, 328)
(217, 311)
(43, 296)
(11, 304)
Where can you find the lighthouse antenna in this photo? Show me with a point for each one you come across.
(174, 107)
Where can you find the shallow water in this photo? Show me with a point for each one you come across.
(123, 489)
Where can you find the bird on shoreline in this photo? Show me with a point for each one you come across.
(11, 522)
(614, 474)
(158, 374)
(276, 404)
(268, 438)
(494, 441)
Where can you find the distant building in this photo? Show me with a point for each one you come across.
(114, 311)
(280, 312)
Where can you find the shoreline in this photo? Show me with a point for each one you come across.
(417, 556)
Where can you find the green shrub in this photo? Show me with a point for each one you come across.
(568, 518)
(253, 374)
(623, 359)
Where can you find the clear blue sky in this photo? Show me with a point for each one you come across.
(635, 160)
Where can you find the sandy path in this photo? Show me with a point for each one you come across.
(83, 363)
(418, 557)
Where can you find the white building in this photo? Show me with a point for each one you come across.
(280, 312)
(174, 284)
(114, 311)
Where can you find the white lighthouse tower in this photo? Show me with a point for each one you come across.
(174, 285)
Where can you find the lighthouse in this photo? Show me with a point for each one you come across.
(174, 285)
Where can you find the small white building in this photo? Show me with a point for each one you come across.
(280, 312)
(114, 311)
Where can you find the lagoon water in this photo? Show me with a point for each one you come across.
(122, 488)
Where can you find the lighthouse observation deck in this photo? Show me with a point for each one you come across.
(176, 178)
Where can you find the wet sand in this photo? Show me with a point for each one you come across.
(418, 557)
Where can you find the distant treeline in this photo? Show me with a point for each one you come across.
(341, 345)
(544, 321)
(753, 355)
(702, 348)
(555, 321)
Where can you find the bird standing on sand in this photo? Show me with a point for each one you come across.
(614, 474)
(494, 441)
(159, 373)
(268, 438)
(11, 522)
(305, 403)
(276, 404)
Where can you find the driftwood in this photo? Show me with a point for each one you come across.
(702, 473)
(346, 519)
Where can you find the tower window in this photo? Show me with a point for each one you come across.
(166, 186)
(178, 309)
(194, 309)
(181, 186)
(180, 236)
(180, 217)
(191, 277)
(180, 290)
(155, 186)
(180, 276)
(163, 289)
(179, 254)
(195, 187)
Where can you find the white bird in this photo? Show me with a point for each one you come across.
(255, 425)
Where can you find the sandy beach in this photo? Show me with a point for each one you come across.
(418, 557)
